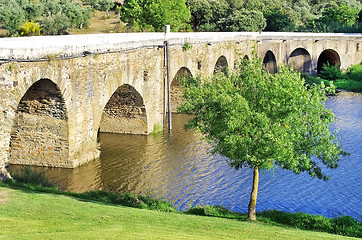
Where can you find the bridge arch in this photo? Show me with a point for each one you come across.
(270, 62)
(40, 133)
(301, 60)
(221, 64)
(125, 112)
(328, 56)
(176, 88)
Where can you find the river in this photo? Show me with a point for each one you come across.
(181, 170)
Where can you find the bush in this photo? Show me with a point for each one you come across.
(329, 72)
(57, 24)
(29, 29)
(344, 225)
(29, 176)
(354, 72)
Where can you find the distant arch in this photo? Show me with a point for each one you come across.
(177, 89)
(40, 134)
(125, 112)
(221, 65)
(301, 60)
(328, 56)
(270, 62)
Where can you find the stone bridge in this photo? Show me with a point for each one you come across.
(58, 92)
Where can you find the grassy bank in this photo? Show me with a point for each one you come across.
(332, 78)
(30, 212)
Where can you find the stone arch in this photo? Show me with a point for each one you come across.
(221, 65)
(301, 60)
(176, 88)
(328, 56)
(125, 112)
(270, 62)
(40, 134)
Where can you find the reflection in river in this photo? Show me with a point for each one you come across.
(179, 169)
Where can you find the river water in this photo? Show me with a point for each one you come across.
(181, 170)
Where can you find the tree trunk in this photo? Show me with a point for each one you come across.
(253, 196)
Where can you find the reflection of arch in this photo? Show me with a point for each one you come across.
(125, 112)
(330, 57)
(176, 88)
(40, 133)
(270, 63)
(300, 60)
(221, 65)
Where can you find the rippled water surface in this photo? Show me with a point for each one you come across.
(180, 169)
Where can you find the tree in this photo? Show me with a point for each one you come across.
(342, 14)
(11, 16)
(243, 20)
(154, 14)
(259, 121)
(278, 20)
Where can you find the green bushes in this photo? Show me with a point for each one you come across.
(28, 175)
(54, 17)
(344, 225)
(332, 77)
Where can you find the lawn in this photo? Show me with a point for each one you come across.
(27, 214)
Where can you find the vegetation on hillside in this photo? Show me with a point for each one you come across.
(52, 17)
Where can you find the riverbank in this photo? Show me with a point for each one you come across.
(47, 213)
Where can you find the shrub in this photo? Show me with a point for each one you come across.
(329, 72)
(29, 29)
(344, 225)
(354, 72)
(57, 24)
(28, 175)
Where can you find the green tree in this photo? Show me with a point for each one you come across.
(259, 121)
(278, 20)
(243, 20)
(11, 16)
(205, 14)
(342, 14)
(154, 14)
(105, 5)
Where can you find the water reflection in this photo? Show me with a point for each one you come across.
(181, 170)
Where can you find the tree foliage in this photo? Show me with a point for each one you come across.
(152, 15)
(279, 15)
(14, 13)
(259, 120)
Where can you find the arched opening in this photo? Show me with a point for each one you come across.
(221, 65)
(300, 60)
(125, 112)
(40, 133)
(270, 62)
(176, 88)
(330, 57)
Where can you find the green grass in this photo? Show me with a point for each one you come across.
(351, 79)
(28, 213)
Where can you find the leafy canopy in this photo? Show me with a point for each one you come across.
(153, 15)
(260, 120)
